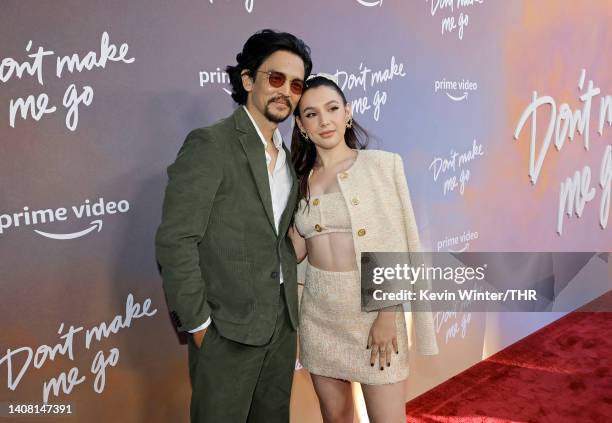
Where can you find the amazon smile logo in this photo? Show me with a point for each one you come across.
(370, 3)
(88, 210)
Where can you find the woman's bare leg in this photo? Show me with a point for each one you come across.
(335, 399)
(385, 403)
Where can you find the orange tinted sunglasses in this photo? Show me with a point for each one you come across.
(277, 80)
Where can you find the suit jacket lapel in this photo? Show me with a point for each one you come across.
(291, 201)
(254, 150)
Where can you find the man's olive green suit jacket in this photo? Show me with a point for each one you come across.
(217, 244)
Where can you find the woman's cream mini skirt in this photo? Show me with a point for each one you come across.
(334, 331)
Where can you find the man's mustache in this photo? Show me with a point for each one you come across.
(282, 98)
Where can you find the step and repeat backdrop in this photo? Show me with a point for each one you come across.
(502, 112)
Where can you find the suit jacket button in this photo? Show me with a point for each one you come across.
(318, 228)
(343, 175)
(355, 201)
(274, 275)
(361, 232)
(315, 202)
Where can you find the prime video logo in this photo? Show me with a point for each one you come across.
(87, 209)
(217, 77)
(456, 90)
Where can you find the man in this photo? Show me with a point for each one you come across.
(228, 268)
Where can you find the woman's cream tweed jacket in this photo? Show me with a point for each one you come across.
(376, 194)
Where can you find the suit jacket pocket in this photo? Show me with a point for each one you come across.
(231, 296)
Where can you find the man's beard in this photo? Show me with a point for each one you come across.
(274, 117)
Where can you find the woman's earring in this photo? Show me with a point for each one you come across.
(304, 134)
(349, 123)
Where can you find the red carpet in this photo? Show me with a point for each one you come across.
(561, 373)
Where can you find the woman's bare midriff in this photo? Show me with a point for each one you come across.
(333, 252)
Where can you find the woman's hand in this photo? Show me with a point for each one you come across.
(383, 339)
(299, 243)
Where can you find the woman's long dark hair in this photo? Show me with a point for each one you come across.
(304, 152)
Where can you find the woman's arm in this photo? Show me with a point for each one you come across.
(299, 244)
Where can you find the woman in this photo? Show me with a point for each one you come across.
(350, 200)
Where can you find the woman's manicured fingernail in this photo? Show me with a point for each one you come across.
(396, 352)
(372, 364)
(382, 368)
(388, 364)
(367, 347)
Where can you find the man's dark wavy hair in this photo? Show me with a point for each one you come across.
(258, 48)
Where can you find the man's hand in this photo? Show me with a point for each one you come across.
(198, 337)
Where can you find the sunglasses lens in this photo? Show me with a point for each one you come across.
(297, 87)
(276, 79)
